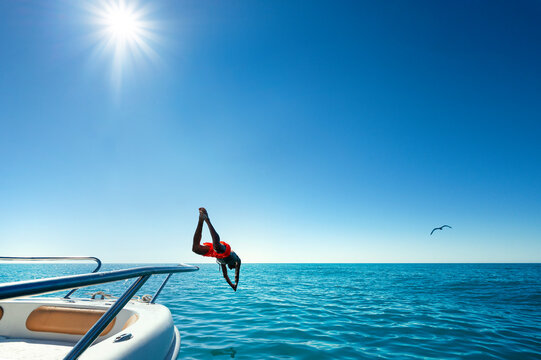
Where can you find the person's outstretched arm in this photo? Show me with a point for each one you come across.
(226, 276)
(237, 274)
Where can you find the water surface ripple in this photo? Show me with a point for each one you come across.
(348, 311)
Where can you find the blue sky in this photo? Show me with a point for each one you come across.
(312, 131)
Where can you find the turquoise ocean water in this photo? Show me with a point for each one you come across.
(345, 311)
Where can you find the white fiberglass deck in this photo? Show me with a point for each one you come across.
(27, 349)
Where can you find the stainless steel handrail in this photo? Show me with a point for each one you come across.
(41, 286)
(55, 258)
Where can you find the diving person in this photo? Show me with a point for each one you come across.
(220, 250)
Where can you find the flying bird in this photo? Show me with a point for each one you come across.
(440, 228)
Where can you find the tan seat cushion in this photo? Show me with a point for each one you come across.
(65, 320)
(131, 321)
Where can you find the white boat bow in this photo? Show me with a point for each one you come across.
(67, 328)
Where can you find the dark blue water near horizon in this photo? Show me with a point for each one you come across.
(345, 311)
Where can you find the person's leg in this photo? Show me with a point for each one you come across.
(197, 247)
(218, 247)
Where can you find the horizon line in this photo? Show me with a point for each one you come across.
(291, 263)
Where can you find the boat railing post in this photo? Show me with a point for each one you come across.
(160, 289)
(106, 318)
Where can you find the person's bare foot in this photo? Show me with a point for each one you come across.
(203, 214)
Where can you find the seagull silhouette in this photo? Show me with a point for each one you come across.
(440, 228)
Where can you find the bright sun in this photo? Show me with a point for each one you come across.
(122, 23)
(124, 33)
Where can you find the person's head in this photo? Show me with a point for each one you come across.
(235, 264)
